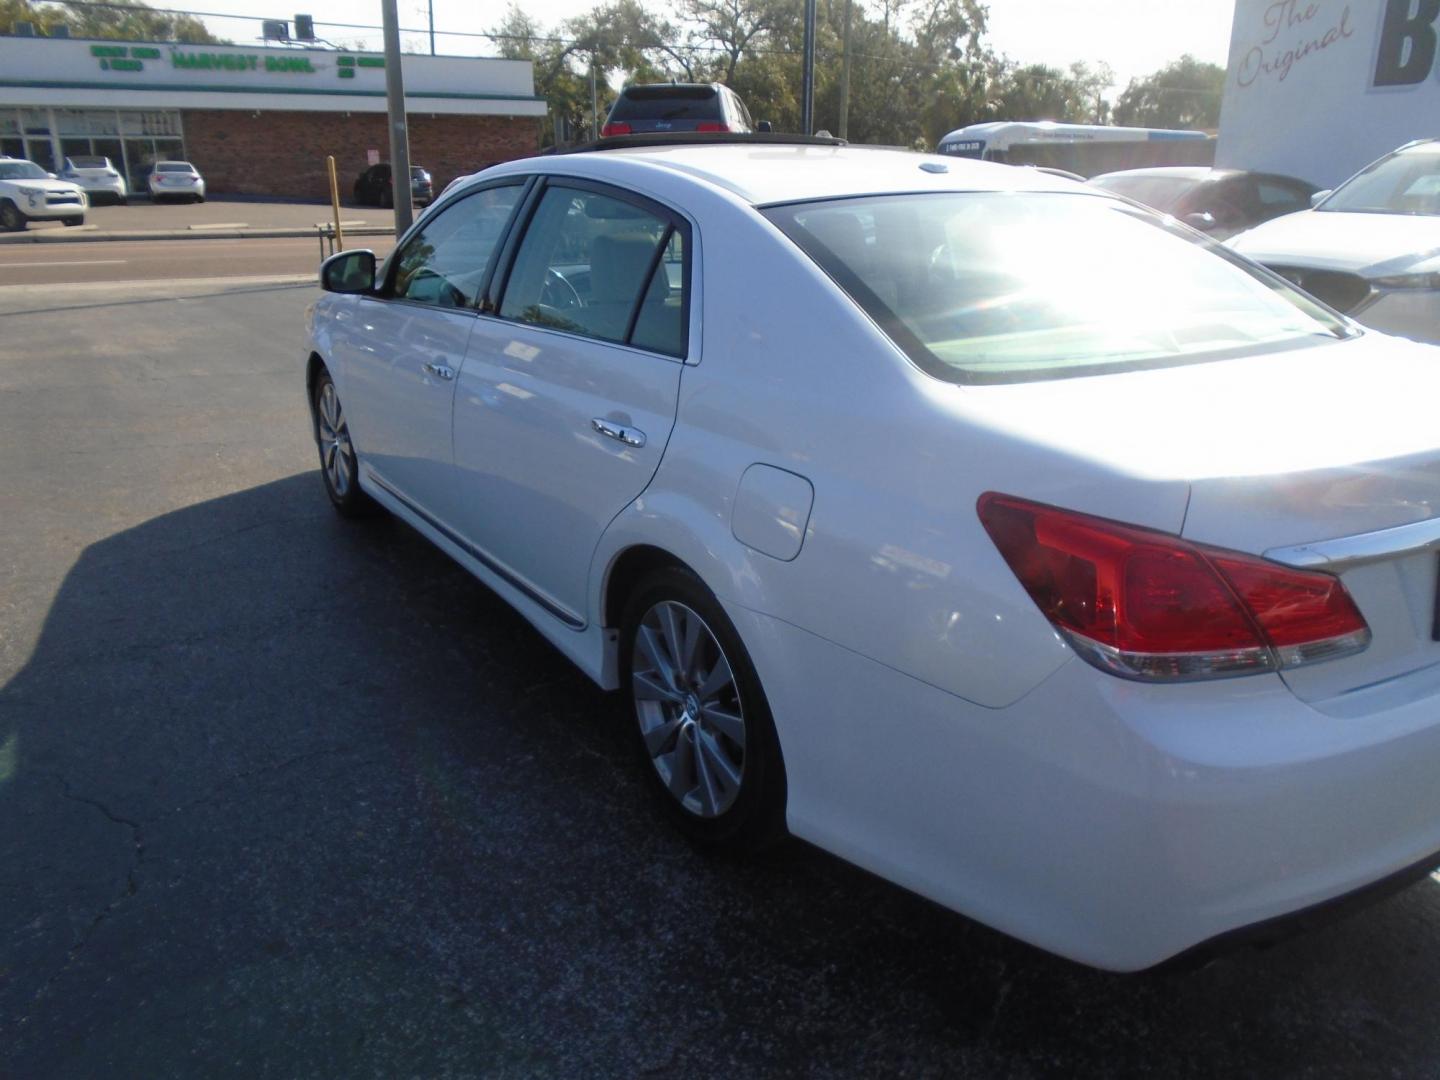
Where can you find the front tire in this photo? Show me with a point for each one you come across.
(11, 219)
(703, 725)
(71, 222)
(339, 468)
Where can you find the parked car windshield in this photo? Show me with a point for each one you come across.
(1405, 183)
(1013, 286)
(1161, 192)
(22, 170)
(90, 162)
(174, 166)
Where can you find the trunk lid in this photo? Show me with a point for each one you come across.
(1283, 453)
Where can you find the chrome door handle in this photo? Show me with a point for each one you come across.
(440, 371)
(628, 435)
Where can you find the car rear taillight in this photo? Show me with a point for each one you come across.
(1149, 605)
(615, 127)
(711, 125)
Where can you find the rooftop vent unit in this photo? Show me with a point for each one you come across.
(304, 28)
(275, 30)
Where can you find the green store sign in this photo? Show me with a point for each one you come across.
(133, 57)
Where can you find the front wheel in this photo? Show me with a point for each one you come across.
(338, 466)
(11, 219)
(71, 222)
(702, 721)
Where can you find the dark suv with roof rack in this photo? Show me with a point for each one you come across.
(666, 107)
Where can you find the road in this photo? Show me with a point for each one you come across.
(45, 264)
(284, 795)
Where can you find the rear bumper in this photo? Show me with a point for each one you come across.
(1119, 824)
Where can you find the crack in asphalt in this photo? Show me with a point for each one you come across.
(132, 885)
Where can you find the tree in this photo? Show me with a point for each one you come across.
(1184, 94)
(123, 20)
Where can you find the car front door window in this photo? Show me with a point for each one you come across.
(444, 264)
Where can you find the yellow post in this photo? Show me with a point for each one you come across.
(335, 202)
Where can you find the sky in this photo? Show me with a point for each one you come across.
(1135, 37)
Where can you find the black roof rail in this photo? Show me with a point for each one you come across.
(698, 138)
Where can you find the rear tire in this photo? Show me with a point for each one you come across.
(339, 468)
(71, 222)
(702, 724)
(11, 218)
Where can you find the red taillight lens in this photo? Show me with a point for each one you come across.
(1149, 605)
(615, 127)
(711, 125)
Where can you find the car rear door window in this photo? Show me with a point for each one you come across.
(1278, 198)
(601, 267)
(445, 262)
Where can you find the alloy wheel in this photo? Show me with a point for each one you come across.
(336, 456)
(689, 709)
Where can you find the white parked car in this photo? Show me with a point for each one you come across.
(98, 177)
(176, 180)
(29, 193)
(981, 528)
(1371, 247)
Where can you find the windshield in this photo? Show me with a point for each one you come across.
(1404, 183)
(1004, 287)
(90, 163)
(22, 170)
(174, 166)
(1161, 192)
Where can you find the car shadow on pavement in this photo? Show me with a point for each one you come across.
(289, 795)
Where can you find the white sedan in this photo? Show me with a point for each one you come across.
(992, 533)
(176, 180)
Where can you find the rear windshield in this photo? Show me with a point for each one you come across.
(1161, 192)
(174, 166)
(986, 287)
(90, 162)
(667, 103)
(417, 172)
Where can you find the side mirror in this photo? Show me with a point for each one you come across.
(764, 127)
(1320, 196)
(52, 176)
(1202, 220)
(348, 272)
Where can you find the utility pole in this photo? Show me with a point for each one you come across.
(807, 97)
(399, 135)
(430, 7)
(844, 126)
(594, 101)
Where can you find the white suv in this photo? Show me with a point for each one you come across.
(29, 193)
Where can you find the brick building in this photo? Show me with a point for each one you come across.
(257, 121)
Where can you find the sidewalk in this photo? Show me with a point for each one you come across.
(217, 219)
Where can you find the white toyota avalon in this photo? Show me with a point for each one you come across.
(992, 533)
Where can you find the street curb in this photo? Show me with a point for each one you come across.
(74, 236)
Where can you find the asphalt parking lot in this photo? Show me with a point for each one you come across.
(284, 795)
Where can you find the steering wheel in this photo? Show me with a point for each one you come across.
(559, 293)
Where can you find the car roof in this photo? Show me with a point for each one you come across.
(763, 174)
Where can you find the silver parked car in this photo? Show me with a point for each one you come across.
(1368, 248)
(176, 180)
